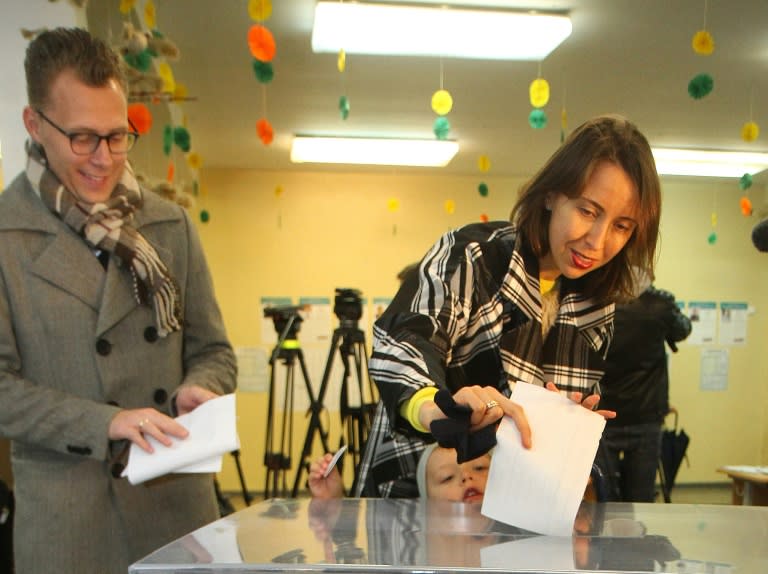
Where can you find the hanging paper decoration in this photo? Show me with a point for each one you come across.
(166, 74)
(441, 128)
(393, 204)
(449, 206)
(746, 206)
(205, 217)
(182, 138)
(263, 71)
(344, 107)
(484, 163)
(703, 43)
(484, 217)
(745, 182)
(265, 131)
(259, 10)
(750, 131)
(278, 191)
(563, 124)
(140, 117)
(539, 92)
(126, 6)
(712, 238)
(537, 119)
(482, 189)
(171, 172)
(341, 61)
(261, 43)
(442, 102)
(141, 61)
(167, 139)
(700, 86)
(150, 15)
(181, 92)
(194, 161)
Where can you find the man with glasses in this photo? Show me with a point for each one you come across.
(108, 325)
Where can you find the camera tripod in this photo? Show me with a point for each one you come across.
(356, 421)
(278, 462)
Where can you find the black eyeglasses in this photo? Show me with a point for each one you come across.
(86, 143)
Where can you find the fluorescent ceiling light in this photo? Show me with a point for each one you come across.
(360, 28)
(372, 151)
(705, 163)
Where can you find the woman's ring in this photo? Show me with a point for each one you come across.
(142, 423)
(490, 404)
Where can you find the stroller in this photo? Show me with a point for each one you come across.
(674, 444)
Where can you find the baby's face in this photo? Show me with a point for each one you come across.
(448, 480)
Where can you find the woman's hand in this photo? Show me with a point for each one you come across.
(488, 405)
(325, 487)
(135, 424)
(590, 403)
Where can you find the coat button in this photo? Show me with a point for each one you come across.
(113, 403)
(103, 347)
(161, 395)
(84, 450)
(150, 334)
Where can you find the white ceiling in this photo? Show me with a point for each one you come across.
(632, 57)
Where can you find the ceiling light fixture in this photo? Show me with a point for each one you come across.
(491, 34)
(373, 151)
(707, 163)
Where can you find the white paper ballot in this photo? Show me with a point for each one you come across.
(540, 489)
(212, 433)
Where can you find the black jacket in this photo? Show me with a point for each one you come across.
(636, 380)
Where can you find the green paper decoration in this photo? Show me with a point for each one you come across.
(712, 239)
(745, 182)
(263, 71)
(182, 138)
(441, 128)
(205, 217)
(344, 107)
(537, 119)
(482, 189)
(167, 140)
(700, 86)
(141, 61)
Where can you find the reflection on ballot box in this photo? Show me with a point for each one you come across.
(409, 536)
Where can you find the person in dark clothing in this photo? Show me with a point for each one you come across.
(636, 386)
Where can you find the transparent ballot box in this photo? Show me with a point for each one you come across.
(415, 536)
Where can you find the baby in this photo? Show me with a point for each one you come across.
(438, 476)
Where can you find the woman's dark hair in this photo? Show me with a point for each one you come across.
(611, 139)
(54, 51)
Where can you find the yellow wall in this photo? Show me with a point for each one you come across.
(328, 230)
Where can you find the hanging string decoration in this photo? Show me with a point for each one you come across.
(341, 66)
(442, 104)
(745, 204)
(703, 44)
(263, 48)
(538, 94)
(750, 131)
(484, 165)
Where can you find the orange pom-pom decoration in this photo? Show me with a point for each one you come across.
(746, 206)
(265, 131)
(171, 172)
(261, 43)
(484, 217)
(140, 117)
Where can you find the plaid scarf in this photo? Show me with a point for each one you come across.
(108, 226)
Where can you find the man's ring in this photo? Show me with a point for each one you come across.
(490, 404)
(142, 422)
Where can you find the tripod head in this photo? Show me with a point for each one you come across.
(286, 319)
(348, 306)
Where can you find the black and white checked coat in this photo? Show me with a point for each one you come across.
(471, 315)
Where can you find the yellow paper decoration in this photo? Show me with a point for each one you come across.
(449, 206)
(150, 15)
(703, 43)
(483, 163)
(194, 160)
(442, 102)
(539, 92)
(260, 10)
(713, 218)
(166, 74)
(750, 131)
(278, 191)
(564, 119)
(126, 6)
(180, 92)
(341, 61)
(393, 204)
